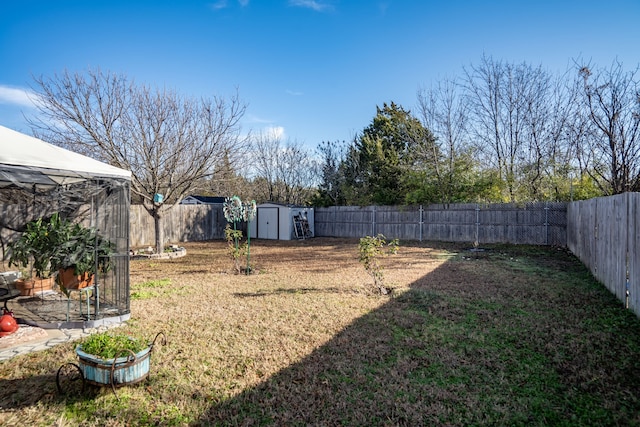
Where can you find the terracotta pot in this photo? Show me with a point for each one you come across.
(69, 280)
(28, 287)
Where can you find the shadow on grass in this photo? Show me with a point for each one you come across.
(473, 342)
(41, 389)
(281, 291)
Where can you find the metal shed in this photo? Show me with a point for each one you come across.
(278, 222)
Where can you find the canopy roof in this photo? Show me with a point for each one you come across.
(28, 160)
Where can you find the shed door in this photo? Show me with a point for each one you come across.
(268, 223)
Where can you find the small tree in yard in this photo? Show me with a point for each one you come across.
(371, 250)
(235, 249)
(234, 212)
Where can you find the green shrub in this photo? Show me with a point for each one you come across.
(371, 249)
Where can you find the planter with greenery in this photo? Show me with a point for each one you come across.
(32, 253)
(28, 286)
(109, 358)
(80, 253)
(55, 244)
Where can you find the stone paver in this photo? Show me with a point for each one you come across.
(55, 337)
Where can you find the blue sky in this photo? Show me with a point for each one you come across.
(314, 70)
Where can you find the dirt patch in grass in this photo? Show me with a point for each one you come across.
(508, 336)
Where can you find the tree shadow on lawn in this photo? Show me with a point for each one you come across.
(465, 345)
(288, 291)
(29, 391)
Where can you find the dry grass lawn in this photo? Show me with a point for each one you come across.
(509, 336)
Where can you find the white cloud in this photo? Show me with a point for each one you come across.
(318, 6)
(275, 132)
(255, 119)
(294, 92)
(220, 4)
(17, 96)
(223, 4)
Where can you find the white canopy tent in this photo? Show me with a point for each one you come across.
(38, 179)
(28, 160)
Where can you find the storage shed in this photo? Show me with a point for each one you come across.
(278, 222)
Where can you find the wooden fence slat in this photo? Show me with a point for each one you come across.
(603, 234)
(633, 233)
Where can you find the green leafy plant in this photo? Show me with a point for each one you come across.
(236, 211)
(82, 249)
(108, 345)
(234, 248)
(371, 249)
(51, 244)
(33, 250)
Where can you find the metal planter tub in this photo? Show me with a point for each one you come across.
(127, 368)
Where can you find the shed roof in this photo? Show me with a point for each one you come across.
(203, 199)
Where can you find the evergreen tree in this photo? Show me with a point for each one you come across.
(377, 165)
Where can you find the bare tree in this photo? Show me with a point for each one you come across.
(498, 100)
(612, 101)
(549, 155)
(579, 134)
(519, 117)
(444, 112)
(284, 171)
(170, 143)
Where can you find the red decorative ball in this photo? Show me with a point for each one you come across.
(8, 323)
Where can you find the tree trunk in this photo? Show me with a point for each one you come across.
(159, 231)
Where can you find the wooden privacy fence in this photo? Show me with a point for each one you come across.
(541, 223)
(530, 223)
(604, 233)
(182, 223)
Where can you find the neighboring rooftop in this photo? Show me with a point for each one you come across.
(202, 200)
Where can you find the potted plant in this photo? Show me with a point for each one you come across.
(32, 252)
(114, 359)
(80, 253)
(55, 244)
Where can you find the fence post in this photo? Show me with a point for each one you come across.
(421, 221)
(333, 223)
(626, 252)
(373, 221)
(477, 241)
(546, 222)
